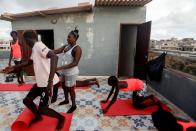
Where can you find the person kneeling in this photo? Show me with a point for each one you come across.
(140, 101)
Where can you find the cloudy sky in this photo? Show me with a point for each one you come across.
(170, 18)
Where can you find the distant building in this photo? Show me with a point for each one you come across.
(186, 44)
(4, 45)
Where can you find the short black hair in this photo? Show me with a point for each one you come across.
(113, 81)
(75, 33)
(30, 35)
(13, 32)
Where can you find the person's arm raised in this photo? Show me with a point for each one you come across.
(76, 60)
(59, 50)
(23, 64)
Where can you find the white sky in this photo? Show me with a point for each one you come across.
(170, 18)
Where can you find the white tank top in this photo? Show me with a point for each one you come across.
(68, 59)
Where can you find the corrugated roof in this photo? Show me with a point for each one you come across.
(82, 7)
(101, 3)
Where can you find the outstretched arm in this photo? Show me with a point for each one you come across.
(19, 66)
(59, 50)
(111, 92)
(76, 60)
(112, 101)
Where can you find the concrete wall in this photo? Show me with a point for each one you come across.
(179, 89)
(99, 34)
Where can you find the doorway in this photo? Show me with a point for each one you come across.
(133, 50)
(128, 35)
(47, 37)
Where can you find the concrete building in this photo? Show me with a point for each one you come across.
(113, 34)
(4, 49)
(186, 44)
(4, 45)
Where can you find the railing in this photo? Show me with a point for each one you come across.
(177, 60)
(176, 53)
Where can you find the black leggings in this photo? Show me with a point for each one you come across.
(19, 72)
(43, 105)
(140, 102)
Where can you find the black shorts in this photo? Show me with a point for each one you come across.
(17, 62)
(40, 91)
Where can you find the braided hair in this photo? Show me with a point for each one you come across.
(75, 33)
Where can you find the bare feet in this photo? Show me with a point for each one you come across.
(72, 109)
(64, 102)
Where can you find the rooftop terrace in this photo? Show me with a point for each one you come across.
(88, 115)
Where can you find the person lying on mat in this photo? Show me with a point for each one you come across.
(116, 85)
(71, 57)
(44, 62)
(79, 83)
(87, 82)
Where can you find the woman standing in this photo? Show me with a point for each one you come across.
(71, 57)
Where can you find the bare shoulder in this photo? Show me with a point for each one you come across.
(78, 48)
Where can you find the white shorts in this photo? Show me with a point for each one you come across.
(70, 80)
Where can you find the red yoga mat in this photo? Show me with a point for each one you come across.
(133, 84)
(46, 124)
(124, 108)
(15, 87)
